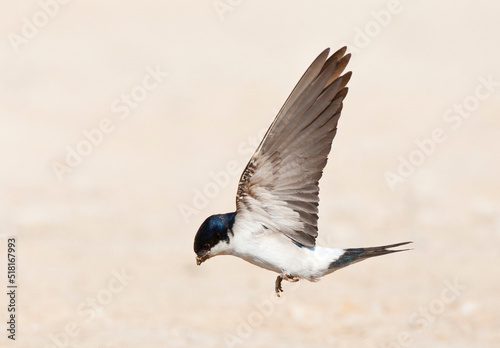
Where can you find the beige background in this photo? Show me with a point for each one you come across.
(120, 209)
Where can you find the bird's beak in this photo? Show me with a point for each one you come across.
(203, 257)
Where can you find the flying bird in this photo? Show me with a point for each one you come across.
(275, 224)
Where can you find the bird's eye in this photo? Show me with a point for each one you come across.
(206, 246)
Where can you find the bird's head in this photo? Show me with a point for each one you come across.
(212, 237)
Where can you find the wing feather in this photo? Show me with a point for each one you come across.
(280, 185)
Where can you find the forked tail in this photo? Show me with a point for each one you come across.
(353, 255)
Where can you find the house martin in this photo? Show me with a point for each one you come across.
(276, 220)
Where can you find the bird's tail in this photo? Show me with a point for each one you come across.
(353, 255)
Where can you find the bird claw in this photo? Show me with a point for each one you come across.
(280, 278)
(290, 278)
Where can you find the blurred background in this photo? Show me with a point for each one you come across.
(125, 124)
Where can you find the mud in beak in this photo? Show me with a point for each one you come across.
(202, 257)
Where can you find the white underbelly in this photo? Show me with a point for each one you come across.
(279, 254)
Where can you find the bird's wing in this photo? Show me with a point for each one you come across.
(280, 184)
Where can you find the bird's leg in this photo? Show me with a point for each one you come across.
(278, 287)
(280, 278)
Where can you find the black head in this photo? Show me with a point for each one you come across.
(213, 230)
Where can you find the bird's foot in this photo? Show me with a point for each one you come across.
(290, 278)
(280, 278)
(278, 287)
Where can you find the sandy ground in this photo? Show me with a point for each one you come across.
(105, 228)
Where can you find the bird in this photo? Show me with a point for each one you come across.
(275, 224)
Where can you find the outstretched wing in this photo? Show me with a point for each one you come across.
(280, 184)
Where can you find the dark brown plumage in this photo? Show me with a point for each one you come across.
(281, 180)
